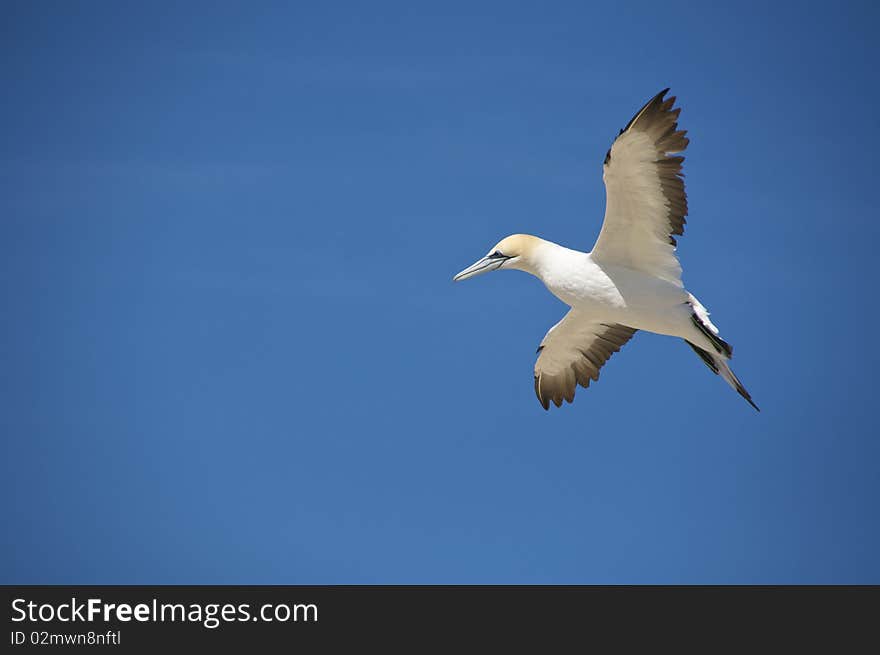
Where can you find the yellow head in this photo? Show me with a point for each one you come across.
(516, 251)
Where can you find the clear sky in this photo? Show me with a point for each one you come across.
(232, 351)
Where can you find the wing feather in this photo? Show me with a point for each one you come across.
(646, 203)
(572, 353)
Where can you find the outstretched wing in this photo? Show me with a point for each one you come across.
(572, 353)
(645, 198)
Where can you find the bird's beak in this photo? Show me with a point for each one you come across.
(486, 264)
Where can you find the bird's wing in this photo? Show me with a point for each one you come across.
(645, 200)
(572, 353)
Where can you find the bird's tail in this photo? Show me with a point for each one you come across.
(718, 365)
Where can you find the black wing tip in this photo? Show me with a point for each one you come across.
(545, 403)
(656, 100)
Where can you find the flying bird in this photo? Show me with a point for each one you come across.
(631, 280)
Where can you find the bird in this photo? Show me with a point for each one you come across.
(632, 279)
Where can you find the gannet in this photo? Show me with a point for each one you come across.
(631, 280)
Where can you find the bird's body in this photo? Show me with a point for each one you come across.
(631, 280)
(616, 293)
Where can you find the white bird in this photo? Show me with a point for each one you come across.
(631, 280)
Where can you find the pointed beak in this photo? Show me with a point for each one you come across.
(485, 265)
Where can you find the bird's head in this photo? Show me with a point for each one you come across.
(516, 251)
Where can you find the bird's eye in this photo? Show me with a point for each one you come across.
(496, 255)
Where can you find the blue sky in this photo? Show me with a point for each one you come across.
(232, 349)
